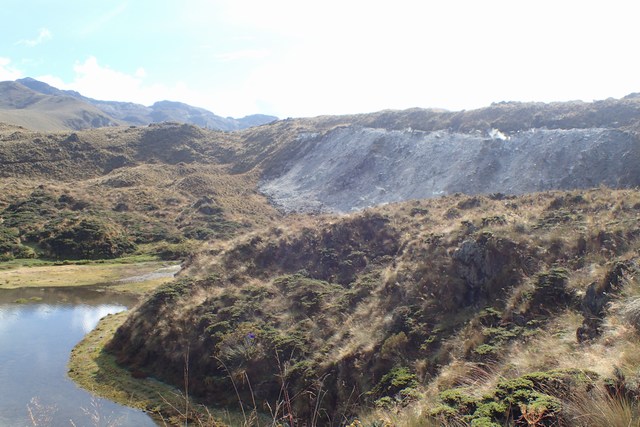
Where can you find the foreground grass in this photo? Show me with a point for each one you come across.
(97, 371)
(51, 275)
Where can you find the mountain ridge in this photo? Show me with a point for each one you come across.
(23, 106)
(97, 113)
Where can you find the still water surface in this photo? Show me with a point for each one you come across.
(36, 339)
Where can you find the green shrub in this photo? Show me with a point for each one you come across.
(170, 292)
(306, 295)
(486, 350)
(484, 422)
(492, 410)
(86, 239)
(174, 251)
(11, 246)
(443, 412)
(530, 396)
(457, 398)
(397, 379)
(385, 402)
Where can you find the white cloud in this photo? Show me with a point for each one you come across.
(104, 83)
(293, 58)
(141, 73)
(361, 56)
(7, 72)
(101, 21)
(243, 54)
(43, 35)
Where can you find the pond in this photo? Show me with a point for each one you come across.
(38, 329)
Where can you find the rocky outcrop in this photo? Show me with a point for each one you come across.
(598, 297)
(488, 266)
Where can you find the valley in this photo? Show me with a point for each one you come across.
(417, 267)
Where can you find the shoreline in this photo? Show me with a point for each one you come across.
(97, 371)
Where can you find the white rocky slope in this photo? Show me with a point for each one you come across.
(354, 167)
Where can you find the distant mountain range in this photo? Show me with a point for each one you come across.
(39, 106)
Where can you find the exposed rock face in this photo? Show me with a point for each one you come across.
(487, 266)
(354, 167)
(598, 297)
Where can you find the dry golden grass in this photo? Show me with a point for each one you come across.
(553, 347)
(598, 408)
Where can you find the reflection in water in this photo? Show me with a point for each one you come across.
(35, 341)
(86, 317)
(86, 295)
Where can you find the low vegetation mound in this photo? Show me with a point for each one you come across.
(95, 219)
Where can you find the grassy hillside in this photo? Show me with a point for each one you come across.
(22, 106)
(109, 192)
(460, 310)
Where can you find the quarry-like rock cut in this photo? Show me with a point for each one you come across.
(354, 167)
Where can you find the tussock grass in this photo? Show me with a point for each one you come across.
(598, 408)
(631, 313)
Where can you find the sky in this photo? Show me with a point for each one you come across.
(301, 58)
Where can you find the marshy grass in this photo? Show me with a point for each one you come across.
(51, 275)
